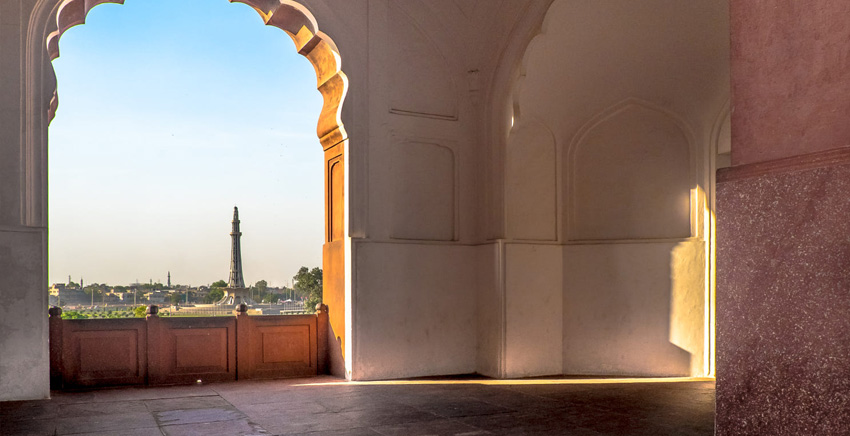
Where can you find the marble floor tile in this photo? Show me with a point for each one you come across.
(186, 403)
(442, 427)
(104, 423)
(195, 416)
(237, 427)
(325, 406)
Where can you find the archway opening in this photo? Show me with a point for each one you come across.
(53, 19)
(155, 143)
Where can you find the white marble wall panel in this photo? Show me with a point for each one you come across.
(534, 310)
(414, 310)
(627, 307)
(24, 359)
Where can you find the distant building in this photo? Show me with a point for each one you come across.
(156, 297)
(61, 295)
(125, 297)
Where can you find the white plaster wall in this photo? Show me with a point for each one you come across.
(414, 310)
(531, 182)
(490, 304)
(534, 310)
(424, 192)
(623, 303)
(689, 291)
(593, 55)
(631, 178)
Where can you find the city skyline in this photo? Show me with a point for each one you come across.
(146, 164)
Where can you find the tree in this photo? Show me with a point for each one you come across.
(309, 283)
(261, 287)
(215, 295)
(175, 298)
(140, 311)
(219, 284)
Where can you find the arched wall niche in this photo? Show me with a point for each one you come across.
(631, 174)
(531, 170)
(531, 180)
(425, 190)
(51, 18)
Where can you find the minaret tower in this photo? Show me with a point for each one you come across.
(236, 293)
(236, 280)
(169, 280)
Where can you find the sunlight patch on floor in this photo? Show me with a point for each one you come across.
(583, 381)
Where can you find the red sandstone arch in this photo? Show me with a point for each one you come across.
(52, 18)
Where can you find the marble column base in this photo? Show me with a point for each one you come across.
(783, 297)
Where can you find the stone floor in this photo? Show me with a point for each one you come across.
(328, 406)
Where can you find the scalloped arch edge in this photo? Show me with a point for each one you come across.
(291, 17)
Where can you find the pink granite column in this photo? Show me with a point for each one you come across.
(783, 301)
(783, 223)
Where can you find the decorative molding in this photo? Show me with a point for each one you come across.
(424, 115)
(820, 159)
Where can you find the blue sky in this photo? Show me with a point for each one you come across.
(171, 113)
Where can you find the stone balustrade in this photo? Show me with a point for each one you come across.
(182, 350)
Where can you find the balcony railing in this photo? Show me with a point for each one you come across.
(166, 351)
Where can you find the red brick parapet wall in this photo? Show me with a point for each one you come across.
(783, 296)
(163, 351)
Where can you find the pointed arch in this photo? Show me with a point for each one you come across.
(681, 136)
